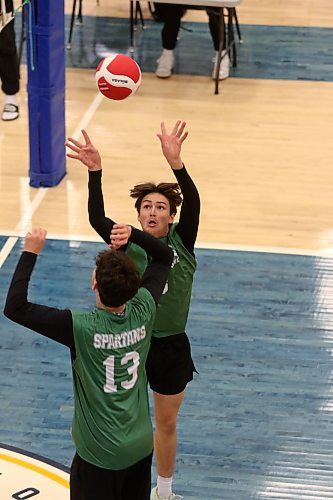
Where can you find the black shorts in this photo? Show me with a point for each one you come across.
(169, 364)
(89, 482)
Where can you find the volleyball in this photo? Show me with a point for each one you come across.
(118, 77)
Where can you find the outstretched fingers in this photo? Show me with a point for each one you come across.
(71, 146)
(175, 128)
(163, 130)
(76, 145)
(73, 142)
(183, 137)
(180, 130)
(86, 137)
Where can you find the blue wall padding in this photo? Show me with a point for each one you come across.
(46, 92)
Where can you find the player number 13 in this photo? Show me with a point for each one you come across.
(110, 385)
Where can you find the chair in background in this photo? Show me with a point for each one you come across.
(135, 14)
(228, 16)
(79, 21)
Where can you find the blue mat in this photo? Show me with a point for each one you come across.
(257, 414)
(272, 52)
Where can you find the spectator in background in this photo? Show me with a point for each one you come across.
(171, 15)
(9, 68)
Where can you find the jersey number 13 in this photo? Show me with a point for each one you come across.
(110, 384)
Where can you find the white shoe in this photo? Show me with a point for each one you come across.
(224, 66)
(10, 112)
(155, 496)
(165, 64)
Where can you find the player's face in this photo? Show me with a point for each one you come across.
(154, 215)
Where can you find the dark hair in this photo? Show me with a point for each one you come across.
(117, 277)
(170, 190)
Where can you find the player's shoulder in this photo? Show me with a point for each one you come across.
(144, 296)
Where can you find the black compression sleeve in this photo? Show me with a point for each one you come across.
(158, 250)
(53, 323)
(155, 276)
(97, 218)
(154, 279)
(187, 228)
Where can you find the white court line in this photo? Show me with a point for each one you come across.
(6, 249)
(264, 249)
(24, 223)
(199, 245)
(88, 115)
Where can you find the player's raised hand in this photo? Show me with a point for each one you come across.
(119, 236)
(85, 153)
(34, 240)
(172, 143)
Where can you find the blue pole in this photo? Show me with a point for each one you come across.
(46, 91)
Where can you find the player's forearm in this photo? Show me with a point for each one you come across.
(187, 228)
(97, 218)
(187, 186)
(17, 296)
(158, 250)
(154, 279)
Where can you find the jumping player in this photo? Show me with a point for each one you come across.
(169, 365)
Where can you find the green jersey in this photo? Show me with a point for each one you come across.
(111, 424)
(173, 309)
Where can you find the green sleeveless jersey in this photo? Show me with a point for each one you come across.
(173, 308)
(111, 425)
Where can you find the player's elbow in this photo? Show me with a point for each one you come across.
(8, 311)
(11, 311)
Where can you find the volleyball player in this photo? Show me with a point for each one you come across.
(111, 429)
(169, 364)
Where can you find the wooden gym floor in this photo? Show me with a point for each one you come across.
(260, 152)
(257, 421)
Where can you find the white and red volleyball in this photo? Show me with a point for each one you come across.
(118, 76)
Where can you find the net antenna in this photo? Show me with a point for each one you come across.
(5, 17)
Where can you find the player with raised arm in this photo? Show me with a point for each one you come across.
(111, 429)
(169, 364)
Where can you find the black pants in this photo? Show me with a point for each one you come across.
(172, 14)
(9, 67)
(88, 482)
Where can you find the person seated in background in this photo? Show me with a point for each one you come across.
(9, 68)
(171, 15)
